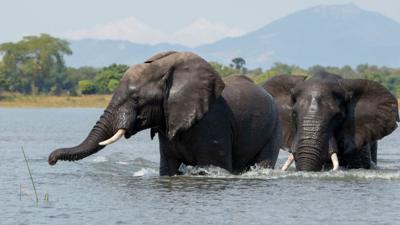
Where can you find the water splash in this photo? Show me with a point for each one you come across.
(146, 168)
(256, 172)
(145, 172)
(212, 171)
(100, 159)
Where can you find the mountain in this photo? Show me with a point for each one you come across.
(99, 53)
(327, 35)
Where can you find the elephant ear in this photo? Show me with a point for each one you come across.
(193, 87)
(372, 112)
(281, 87)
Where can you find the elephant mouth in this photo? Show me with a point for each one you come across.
(125, 129)
(137, 125)
(130, 133)
(121, 132)
(131, 126)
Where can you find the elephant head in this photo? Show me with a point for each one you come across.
(326, 113)
(168, 93)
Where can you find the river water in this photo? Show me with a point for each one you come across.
(120, 184)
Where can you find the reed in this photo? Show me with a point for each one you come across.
(30, 174)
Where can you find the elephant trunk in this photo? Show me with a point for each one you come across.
(309, 146)
(104, 129)
(308, 158)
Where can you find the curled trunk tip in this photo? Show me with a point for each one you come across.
(53, 157)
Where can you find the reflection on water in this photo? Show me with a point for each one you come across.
(120, 184)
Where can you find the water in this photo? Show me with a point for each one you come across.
(120, 184)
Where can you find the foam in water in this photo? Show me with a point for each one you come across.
(212, 171)
(256, 172)
(145, 172)
(100, 158)
(148, 169)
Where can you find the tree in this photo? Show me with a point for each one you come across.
(106, 75)
(87, 87)
(81, 73)
(112, 84)
(34, 60)
(2, 78)
(316, 69)
(74, 75)
(45, 56)
(222, 70)
(238, 63)
(13, 56)
(264, 76)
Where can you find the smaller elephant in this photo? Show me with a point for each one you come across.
(200, 119)
(329, 121)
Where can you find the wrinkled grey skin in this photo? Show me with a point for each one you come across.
(327, 114)
(200, 119)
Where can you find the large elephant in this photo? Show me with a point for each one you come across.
(200, 119)
(329, 121)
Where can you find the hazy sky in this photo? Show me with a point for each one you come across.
(149, 21)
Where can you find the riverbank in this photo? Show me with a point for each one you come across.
(43, 101)
(28, 101)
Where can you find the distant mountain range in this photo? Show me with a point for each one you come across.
(333, 35)
(98, 53)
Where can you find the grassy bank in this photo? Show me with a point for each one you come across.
(29, 101)
(26, 101)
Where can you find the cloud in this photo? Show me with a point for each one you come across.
(130, 29)
(200, 31)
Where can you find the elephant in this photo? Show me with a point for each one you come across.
(200, 119)
(328, 121)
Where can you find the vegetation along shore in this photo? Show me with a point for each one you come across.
(33, 74)
(48, 101)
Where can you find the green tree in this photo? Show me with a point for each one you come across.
(397, 90)
(260, 79)
(223, 70)
(81, 73)
(45, 57)
(33, 61)
(112, 84)
(87, 87)
(2, 78)
(74, 75)
(316, 69)
(238, 63)
(13, 56)
(105, 75)
(279, 69)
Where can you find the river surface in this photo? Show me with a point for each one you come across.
(120, 184)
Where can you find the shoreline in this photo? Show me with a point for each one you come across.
(43, 101)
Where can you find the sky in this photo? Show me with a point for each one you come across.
(187, 22)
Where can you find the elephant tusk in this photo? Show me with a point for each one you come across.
(335, 162)
(114, 138)
(288, 162)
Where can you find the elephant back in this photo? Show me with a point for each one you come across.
(254, 110)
